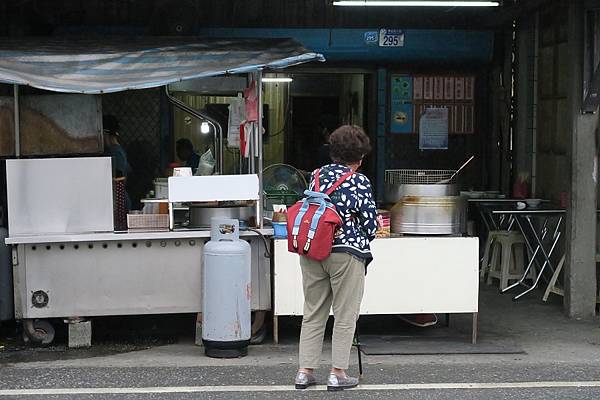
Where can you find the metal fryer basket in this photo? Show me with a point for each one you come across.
(416, 176)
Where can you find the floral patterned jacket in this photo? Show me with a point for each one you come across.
(356, 206)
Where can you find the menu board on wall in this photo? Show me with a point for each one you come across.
(401, 107)
(418, 88)
(410, 96)
(438, 88)
(449, 88)
(459, 88)
(428, 88)
(469, 88)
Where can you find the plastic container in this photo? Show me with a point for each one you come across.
(280, 230)
(161, 188)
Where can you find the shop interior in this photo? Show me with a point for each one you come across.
(504, 107)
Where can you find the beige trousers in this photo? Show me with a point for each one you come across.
(337, 282)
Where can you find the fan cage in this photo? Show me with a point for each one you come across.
(416, 176)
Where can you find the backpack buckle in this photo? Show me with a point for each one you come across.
(295, 242)
(306, 246)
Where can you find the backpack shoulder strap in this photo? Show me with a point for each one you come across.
(339, 182)
(316, 180)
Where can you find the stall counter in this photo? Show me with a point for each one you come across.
(408, 275)
(135, 273)
(117, 236)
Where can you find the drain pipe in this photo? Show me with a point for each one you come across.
(200, 115)
(17, 121)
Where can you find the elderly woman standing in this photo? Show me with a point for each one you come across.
(338, 281)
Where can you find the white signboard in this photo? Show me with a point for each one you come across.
(433, 129)
(183, 189)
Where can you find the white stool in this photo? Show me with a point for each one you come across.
(487, 252)
(504, 258)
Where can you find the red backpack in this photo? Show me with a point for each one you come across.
(312, 222)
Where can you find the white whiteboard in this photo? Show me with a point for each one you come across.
(59, 195)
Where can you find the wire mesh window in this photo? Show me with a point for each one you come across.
(139, 118)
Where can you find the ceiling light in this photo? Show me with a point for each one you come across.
(204, 127)
(277, 79)
(412, 3)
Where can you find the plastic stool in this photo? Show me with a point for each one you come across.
(507, 258)
(489, 244)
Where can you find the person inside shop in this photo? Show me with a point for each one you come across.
(338, 281)
(185, 152)
(113, 148)
(323, 153)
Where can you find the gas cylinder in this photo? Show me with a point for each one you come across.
(226, 291)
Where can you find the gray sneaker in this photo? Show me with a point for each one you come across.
(304, 380)
(335, 382)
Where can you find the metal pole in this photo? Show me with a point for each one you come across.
(259, 144)
(201, 115)
(17, 122)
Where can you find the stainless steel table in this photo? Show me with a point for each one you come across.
(503, 221)
(543, 249)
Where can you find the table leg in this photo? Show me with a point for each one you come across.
(474, 332)
(552, 282)
(547, 255)
(557, 234)
(488, 223)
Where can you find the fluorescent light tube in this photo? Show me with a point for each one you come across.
(277, 79)
(413, 3)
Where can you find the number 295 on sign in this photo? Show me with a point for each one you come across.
(391, 38)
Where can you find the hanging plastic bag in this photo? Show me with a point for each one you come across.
(206, 166)
(251, 100)
(237, 113)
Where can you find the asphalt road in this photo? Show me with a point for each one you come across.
(254, 382)
(154, 358)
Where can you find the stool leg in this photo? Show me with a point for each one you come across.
(506, 262)
(493, 262)
(519, 249)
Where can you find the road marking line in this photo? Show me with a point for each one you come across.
(290, 388)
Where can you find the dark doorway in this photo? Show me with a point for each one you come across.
(310, 116)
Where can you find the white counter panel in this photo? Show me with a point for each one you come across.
(408, 275)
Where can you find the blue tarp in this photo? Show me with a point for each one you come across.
(92, 66)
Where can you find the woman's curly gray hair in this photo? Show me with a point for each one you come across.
(348, 144)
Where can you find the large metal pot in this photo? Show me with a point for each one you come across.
(394, 192)
(426, 215)
(200, 216)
